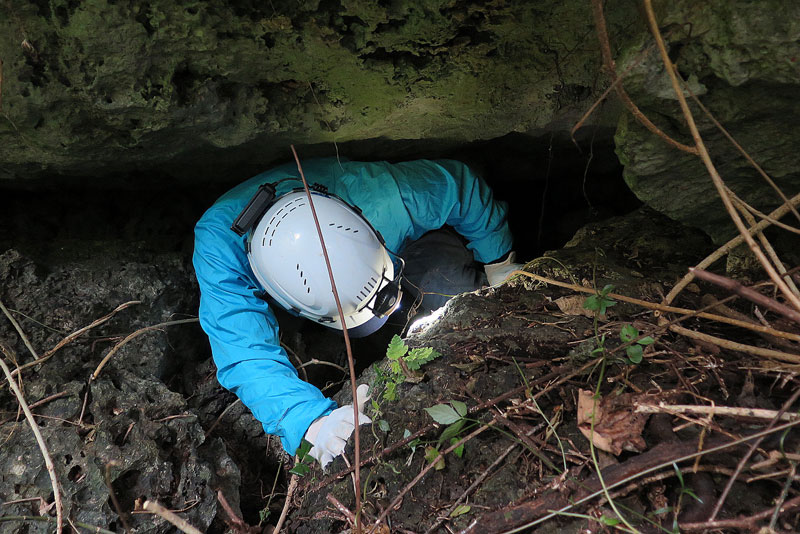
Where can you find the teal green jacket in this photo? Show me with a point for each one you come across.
(401, 200)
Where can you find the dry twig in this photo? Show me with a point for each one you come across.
(730, 245)
(154, 508)
(431, 465)
(730, 411)
(786, 405)
(287, 504)
(75, 335)
(608, 60)
(51, 470)
(14, 322)
(742, 523)
(350, 360)
(712, 170)
(132, 336)
(665, 308)
(754, 296)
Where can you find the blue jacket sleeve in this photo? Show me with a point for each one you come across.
(243, 333)
(439, 192)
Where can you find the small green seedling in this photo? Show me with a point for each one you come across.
(402, 364)
(635, 350)
(304, 460)
(453, 415)
(600, 302)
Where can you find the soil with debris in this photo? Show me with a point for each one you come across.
(525, 359)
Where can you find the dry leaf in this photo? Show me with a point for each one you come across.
(616, 425)
(573, 305)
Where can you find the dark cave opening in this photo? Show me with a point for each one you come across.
(552, 188)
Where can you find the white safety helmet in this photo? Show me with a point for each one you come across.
(286, 257)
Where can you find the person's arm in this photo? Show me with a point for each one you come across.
(442, 192)
(243, 333)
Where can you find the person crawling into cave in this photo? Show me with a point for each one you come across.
(382, 223)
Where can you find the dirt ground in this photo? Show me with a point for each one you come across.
(527, 374)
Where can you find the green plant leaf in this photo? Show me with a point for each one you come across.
(592, 303)
(609, 521)
(608, 288)
(397, 348)
(460, 407)
(420, 356)
(430, 455)
(458, 451)
(383, 424)
(443, 414)
(391, 391)
(263, 515)
(300, 469)
(461, 509)
(678, 474)
(634, 353)
(628, 333)
(452, 431)
(646, 341)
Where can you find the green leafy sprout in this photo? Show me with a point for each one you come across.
(600, 301)
(402, 362)
(304, 460)
(635, 350)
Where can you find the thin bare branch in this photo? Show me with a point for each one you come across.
(725, 411)
(706, 158)
(741, 347)
(180, 523)
(741, 150)
(350, 359)
(753, 446)
(51, 470)
(664, 308)
(742, 206)
(132, 336)
(727, 247)
(18, 328)
(431, 464)
(608, 60)
(754, 296)
(75, 335)
(287, 504)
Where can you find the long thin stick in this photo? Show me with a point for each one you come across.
(175, 519)
(608, 60)
(75, 335)
(51, 469)
(472, 487)
(350, 361)
(427, 468)
(727, 247)
(742, 461)
(640, 474)
(19, 330)
(750, 294)
(663, 308)
(733, 345)
(712, 170)
(286, 504)
(731, 411)
(743, 206)
(741, 150)
(132, 336)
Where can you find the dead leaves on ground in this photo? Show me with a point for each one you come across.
(617, 426)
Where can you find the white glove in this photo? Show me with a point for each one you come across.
(497, 273)
(329, 434)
